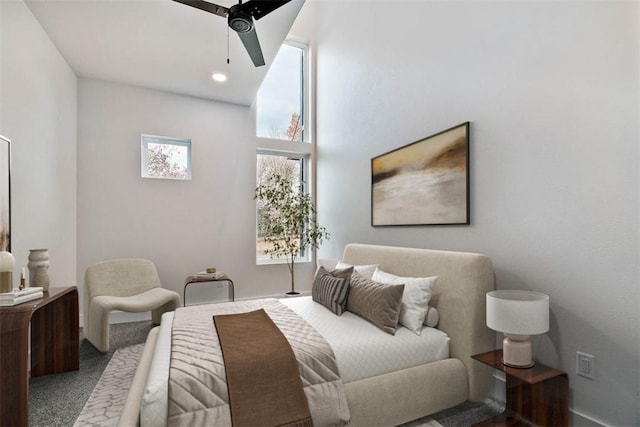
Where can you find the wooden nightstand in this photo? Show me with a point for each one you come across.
(535, 396)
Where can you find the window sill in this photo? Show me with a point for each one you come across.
(281, 261)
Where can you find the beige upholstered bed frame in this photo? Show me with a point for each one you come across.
(402, 396)
(463, 281)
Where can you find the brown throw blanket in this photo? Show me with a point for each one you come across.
(262, 372)
(198, 393)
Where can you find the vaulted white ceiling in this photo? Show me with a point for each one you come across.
(161, 44)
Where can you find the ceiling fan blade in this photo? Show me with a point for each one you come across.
(260, 8)
(251, 43)
(206, 6)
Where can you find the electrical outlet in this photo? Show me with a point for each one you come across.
(585, 365)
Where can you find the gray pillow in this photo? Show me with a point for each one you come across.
(331, 289)
(379, 303)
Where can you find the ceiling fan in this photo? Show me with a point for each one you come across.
(240, 19)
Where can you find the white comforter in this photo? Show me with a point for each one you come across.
(362, 350)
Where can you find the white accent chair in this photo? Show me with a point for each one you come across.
(131, 285)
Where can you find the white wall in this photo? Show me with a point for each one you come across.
(551, 90)
(0, 67)
(183, 226)
(39, 112)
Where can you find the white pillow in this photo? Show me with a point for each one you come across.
(364, 270)
(433, 317)
(415, 299)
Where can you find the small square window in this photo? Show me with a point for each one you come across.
(165, 157)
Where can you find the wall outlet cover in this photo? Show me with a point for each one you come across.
(585, 365)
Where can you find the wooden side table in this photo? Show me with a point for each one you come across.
(55, 347)
(202, 279)
(536, 396)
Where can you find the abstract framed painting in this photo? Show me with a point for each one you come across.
(5, 194)
(423, 183)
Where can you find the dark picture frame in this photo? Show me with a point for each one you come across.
(425, 182)
(5, 194)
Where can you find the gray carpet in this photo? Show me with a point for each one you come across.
(57, 400)
(108, 399)
(469, 413)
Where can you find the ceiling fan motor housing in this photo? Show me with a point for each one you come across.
(239, 21)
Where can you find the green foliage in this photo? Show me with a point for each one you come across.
(287, 220)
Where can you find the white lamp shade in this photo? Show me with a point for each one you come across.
(7, 261)
(518, 312)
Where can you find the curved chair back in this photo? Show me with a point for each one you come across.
(118, 278)
(121, 278)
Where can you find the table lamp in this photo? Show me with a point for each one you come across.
(517, 314)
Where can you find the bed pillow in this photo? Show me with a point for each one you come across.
(331, 289)
(379, 303)
(365, 270)
(433, 317)
(415, 299)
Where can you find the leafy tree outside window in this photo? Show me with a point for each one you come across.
(164, 157)
(270, 165)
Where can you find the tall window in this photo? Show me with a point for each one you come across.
(280, 101)
(280, 115)
(289, 166)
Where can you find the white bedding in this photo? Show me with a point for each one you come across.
(153, 408)
(362, 350)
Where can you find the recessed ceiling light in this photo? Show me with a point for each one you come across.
(219, 77)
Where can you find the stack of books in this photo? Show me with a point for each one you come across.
(17, 296)
(204, 274)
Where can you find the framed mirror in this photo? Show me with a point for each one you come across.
(5, 194)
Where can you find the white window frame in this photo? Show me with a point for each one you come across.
(304, 149)
(146, 139)
(305, 161)
(305, 94)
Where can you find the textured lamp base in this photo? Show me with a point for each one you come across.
(517, 351)
(6, 281)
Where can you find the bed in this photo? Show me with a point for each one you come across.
(388, 398)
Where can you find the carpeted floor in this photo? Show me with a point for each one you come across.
(108, 398)
(58, 400)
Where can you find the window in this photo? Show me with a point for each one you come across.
(280, 108)
(289, 166)
(280, 100)
(164, 157)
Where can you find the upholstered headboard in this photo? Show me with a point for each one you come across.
(459, 295)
